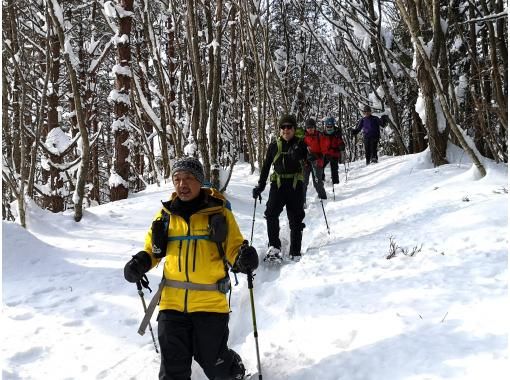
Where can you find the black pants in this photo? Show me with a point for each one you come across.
(201, 335)
(316, 179)
(371, 149)
(292, 199)
(334, 168)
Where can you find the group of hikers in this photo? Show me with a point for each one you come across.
(199, 238)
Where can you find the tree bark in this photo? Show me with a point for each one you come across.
(85, 153)
(121, 106)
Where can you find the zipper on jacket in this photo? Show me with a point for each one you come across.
(186, 268)
(194, 253)
(180, 250)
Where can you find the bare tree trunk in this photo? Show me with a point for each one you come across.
(500, 98)
(436, 83)
(23, 171)
(85, 153)
(121, 106)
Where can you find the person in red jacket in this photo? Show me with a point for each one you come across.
(314, 162)
(332, 147)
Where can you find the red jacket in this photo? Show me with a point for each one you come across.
(332, 144)
(313, 141)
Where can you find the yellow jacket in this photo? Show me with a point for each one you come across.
(197, 261)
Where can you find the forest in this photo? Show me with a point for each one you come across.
(99, 97)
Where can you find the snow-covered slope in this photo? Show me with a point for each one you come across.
(344, 312)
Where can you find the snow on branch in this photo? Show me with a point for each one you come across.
(116, 96)
(121, 70)
(116, 180)
(145, 104)
(57, 9)
(124, 39)
(113, 10)
(57, 141)
(68, 49)
(120, 124)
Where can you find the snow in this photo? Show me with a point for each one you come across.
(116, 96)
(58, 13)
(344, 312)
(57, 141)
(121, 70)
(116, 180)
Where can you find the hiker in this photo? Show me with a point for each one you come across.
(314, 161)
(370, 125)
(286, 155)
(333, 148)
(199, 238)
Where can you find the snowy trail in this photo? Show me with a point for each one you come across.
(343, 312)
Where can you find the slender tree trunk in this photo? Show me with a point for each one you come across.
(215, 101)
(200, 87)
(85, 148)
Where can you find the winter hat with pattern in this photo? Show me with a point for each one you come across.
(189, 164)
(287, 119)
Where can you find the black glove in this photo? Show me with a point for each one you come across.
(257, 190)
(137, 267)
(247, 259)
(311, 157)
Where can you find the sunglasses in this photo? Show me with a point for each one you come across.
(286, 126)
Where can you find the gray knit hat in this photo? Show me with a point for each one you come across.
(189, 164)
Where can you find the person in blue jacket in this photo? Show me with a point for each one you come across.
(370, 125)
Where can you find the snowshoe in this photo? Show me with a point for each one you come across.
(273, 256)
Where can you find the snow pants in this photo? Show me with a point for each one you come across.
(292, 199)
(333, 161)
(316, 179)
(371, 149)
(199, 335)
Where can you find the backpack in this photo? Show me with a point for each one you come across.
(277, 177)
(217, 234)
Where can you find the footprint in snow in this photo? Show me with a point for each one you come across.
(130, 321)
(74, 323)
(326, 291)
(90, 310)
(28, 356)
(22, 317)
(43, 291)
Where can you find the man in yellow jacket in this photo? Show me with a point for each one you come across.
(197, 235)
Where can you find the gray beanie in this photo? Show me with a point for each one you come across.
(189, 164)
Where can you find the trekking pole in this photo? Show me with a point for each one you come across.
(333, 192)
(145, 282)
(253, 220)
(324, 212)
(254, 319)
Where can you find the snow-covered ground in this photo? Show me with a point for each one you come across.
(344, 312)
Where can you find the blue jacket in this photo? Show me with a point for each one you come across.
(370, 125)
